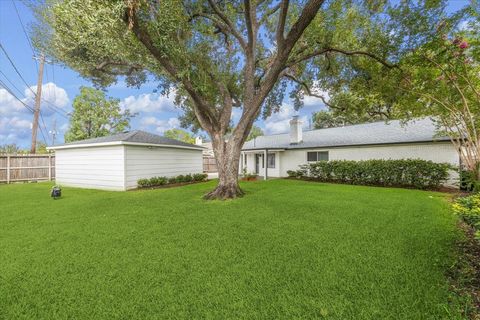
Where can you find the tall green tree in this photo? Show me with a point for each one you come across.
(94, 115)
(220, 55)
(255, 132)
(179, 134)
(336, 118)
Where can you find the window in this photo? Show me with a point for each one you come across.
(245, 159)
(271, 160)
(317, 156)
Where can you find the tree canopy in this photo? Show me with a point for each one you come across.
(220, 55)
(179, 134)
(94, 115)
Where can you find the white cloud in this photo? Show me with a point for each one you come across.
(280, 122)
(148, 102)
(13, 129)
(53, 97)
(160, 125)
(9, 105)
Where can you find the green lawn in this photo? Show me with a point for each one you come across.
(287, 250)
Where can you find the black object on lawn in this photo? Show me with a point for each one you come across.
(56, 192)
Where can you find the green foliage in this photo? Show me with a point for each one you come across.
(95, 115)
(179, 134)
(420, 174)
(160, 181)
(469, 181)
(337, 118)
(255, 132)
(200, 176)
(10, 149)
(468, 208)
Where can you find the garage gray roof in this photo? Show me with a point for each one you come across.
(392, 132)
(136, 136)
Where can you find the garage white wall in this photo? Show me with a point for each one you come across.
(144, 162)
(93, 167)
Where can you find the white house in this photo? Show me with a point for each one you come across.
(117, 162)
(273, 155)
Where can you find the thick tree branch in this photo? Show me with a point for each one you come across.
(222, 27)
(307, 89)
(269, 13)
(229, 23)
(320, 52)
(201, 107)
(131, 67)
(281, 23)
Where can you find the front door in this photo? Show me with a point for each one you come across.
(257, 163)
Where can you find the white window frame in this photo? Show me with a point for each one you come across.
(317, 152)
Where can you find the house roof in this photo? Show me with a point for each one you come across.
(376, 133)
(136, 137)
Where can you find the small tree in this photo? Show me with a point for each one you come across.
(444, 77)
(179, 134)
(95, 115)
(255, 132)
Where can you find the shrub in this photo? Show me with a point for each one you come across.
(296, 173)
(468, 208)
(143, 183)
(180, 178)
(160, 181)
(420, 174)
(200, 176)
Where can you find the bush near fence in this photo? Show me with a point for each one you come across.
(412, 173)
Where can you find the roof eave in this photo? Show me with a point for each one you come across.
(350, 145)
(126, 143)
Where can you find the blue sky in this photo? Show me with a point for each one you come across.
(156, 113)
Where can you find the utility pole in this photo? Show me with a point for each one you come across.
(38, 97)
(53, 132)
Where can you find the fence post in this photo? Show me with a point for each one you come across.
(8, 168)
(49, 167)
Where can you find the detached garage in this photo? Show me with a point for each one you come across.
(117, 162)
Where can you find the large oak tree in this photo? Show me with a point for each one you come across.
(219, 55)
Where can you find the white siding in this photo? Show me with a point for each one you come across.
(143, 162)
(272, 172)
(440, 152)
(93, 167)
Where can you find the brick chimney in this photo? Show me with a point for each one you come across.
(296, 133)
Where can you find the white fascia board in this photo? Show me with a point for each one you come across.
(118, 143)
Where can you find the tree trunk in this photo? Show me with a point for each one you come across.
(227, 155)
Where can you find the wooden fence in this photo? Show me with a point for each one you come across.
(28, 167)
(209, 164)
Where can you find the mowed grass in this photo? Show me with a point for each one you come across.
(287, 250)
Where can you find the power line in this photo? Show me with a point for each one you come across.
(55, 108)
(25, 32)
(3, 85)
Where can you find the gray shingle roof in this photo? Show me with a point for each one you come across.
(420, 130)
(136, 136)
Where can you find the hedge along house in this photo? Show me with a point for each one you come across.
(117, 162)
(274, 155)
